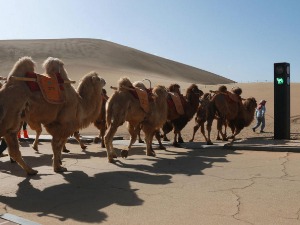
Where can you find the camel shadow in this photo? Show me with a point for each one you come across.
(82, 197)
(186, 161)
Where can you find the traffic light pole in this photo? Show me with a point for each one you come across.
(281, 101)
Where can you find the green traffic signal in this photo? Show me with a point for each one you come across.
(279, 80)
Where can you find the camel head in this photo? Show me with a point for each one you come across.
(250, 104)
(175, 88)
(192, 91)
(91, 83)
(22, 66)
(54, 66)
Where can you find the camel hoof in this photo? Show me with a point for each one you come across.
(83, 147)
(111, 160)
(228, 144)
(12, 160)
(60, 169)
(151, 153)
(218, 139)
(161, 147)
(166, 139)
(180, 140)
(124, 153)
(175, 144)
(102, 145)
(35, 148)
(96, 140)
(141, 141)
(32, 172)
(209, 143)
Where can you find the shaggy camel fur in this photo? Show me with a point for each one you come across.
(178, 122)
(123, 106)
(81, 107)
(12, 109)
(236, 114)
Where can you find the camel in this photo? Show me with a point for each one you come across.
(124, 106)
(100, 122)
(79, 109)
(237, 114)
(178, 122)
(154, 120)
(201, 118)
(12, 108)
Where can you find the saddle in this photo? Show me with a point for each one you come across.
(177, 102)
(143, 97)
(50, 87)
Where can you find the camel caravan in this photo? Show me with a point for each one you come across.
(50, 100)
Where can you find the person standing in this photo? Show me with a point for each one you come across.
(260, 116)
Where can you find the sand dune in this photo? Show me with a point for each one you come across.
(83, 55)
(113, 61)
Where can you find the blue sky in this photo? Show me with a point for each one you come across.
(238, 39)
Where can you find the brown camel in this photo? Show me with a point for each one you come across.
(124, 106)
(238, 115)
(154, 120)
(79, 109)
(201, 118)
(100, 122)
(12, 108)
(178, 122)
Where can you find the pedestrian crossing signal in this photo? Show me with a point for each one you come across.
(279, 80)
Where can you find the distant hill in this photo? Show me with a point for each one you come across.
(91, 54)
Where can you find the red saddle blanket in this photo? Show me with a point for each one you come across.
(50, 87)
(177, 102)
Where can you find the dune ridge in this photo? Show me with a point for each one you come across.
(93, 54)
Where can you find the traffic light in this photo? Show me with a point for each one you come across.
(281, 100)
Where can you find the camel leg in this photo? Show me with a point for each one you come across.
(158, 137)
(237, 131)
(57, 147)
(180, 139)
(175, 143)
(38, 130)
(108, 139)
(208, 128)
(77, 137)
(196, 127)
(149, 138)
(219, 127)
(133, 131)
(203, 132)
(102, 133)
(15, 154)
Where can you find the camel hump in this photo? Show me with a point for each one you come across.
(234, 97)
(177, 102)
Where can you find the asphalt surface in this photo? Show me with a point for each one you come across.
(257, 181)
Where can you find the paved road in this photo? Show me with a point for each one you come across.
(191, 185)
